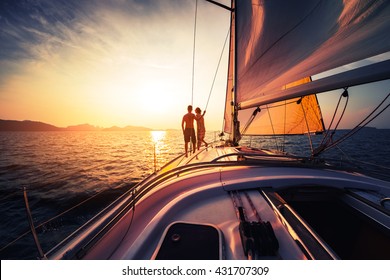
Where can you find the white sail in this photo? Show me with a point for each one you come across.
(228, 114)
(283, 41)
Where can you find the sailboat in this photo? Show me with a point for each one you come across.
(228, 201)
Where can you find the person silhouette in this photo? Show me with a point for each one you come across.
(187, 126)
(200, 127)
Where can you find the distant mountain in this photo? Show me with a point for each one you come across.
(82, 127)
(12, 125)
(136, 128)
(127, 128)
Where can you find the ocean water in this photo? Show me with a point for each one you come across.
(62, 170)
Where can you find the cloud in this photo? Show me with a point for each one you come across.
(96, 32)
(99, 53)
(93, 31)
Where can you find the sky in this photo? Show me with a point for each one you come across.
(118, 62)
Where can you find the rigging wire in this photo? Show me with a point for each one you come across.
(357, 128)
(307, 124)
(273, 129)
(250, 120)
(50, 220)
(344, 94)
(65, 176)
(128, 225)
(360, 125)
(42, 224)
(374, 169)
(32, 227)
(354, 161)
(326, 136)
(193, 53)
(284, 125)
(193, 59)
(219, 63)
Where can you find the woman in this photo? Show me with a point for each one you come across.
(200, 128)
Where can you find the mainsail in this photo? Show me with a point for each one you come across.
(277, 43)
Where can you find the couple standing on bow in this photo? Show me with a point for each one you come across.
(187, 125)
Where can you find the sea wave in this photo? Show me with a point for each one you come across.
(62, 170)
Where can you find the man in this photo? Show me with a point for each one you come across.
(187, 126)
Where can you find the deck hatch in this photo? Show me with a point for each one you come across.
(185, 241)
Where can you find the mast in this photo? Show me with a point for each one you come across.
(231, 105)
(235, 137)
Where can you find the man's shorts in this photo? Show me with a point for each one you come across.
(189, 134)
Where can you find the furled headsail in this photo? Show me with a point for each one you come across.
(229, 100)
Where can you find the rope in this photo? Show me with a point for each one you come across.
(253, 207)
(193, 53)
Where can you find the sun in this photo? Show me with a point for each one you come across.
(154, 99)
(156, 103)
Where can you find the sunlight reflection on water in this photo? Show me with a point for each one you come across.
(84, 161)
(60, 169)
(157, 135)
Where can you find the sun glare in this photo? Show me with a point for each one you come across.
(157, 135)
(153, 99)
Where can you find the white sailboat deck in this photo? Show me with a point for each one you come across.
(202, 198)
